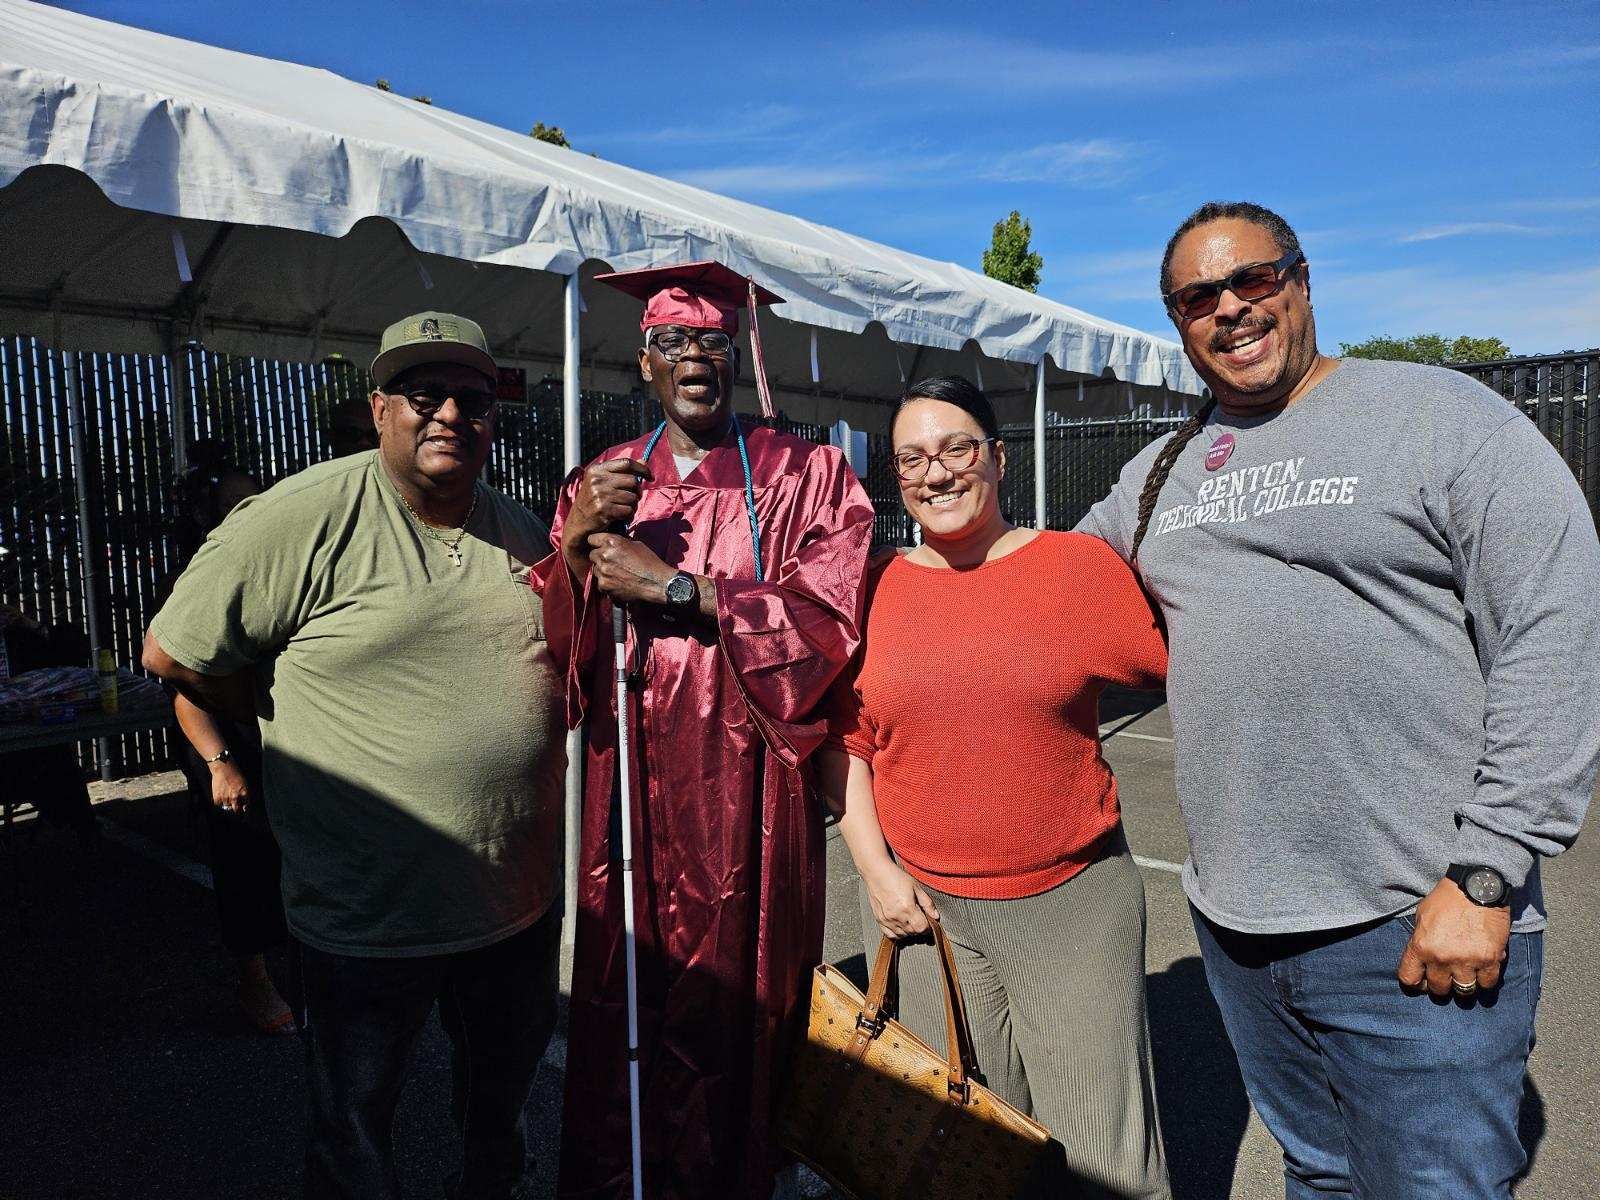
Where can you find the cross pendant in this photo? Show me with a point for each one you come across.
(455, 554)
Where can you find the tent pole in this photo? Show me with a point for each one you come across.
(571, 455)
(86, 554)
(178, 397)
(1039, 467)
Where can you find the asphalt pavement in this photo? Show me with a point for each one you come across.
(126, 1072)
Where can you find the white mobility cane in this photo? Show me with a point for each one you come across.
(619, 635)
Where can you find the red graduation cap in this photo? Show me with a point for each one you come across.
(700, 295)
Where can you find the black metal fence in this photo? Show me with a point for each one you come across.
(1084, 459)
(274, 417)
(1561, 394)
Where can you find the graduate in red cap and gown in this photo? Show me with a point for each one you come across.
(741, 569)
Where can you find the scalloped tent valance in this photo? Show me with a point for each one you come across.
(308, 211)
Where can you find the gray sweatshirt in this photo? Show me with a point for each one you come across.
(1384, 611)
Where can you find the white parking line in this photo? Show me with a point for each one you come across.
(1115, 730)
(1159, 864)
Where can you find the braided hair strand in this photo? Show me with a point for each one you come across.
(1162, 467)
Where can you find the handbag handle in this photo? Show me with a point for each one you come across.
(960, 1060)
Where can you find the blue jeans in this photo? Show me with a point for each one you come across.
(1372, 1092)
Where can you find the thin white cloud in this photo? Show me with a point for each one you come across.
(1114, 262)
(787, 178)
(1554, 204)
(1531, 66)
(958, 60)
(1532, 311)
(1471, 228)
(765, 122)
(1094, 162)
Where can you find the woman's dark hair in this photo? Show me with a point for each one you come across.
(1162, 467)
(195, 504)
(1226, 210)
(952, 389)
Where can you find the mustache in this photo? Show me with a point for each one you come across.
(1222, 335)
(467, 437)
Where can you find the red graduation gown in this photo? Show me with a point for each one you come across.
(728, 845)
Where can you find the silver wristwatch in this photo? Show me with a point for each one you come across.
(682, 592)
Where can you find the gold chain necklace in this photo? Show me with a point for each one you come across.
(453, 545)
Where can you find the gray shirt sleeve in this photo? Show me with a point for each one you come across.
(1114, 517)
(1527, 563)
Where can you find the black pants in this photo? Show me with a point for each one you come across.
(363, 1019)
(245, 864)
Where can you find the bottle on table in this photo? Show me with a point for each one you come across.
(106, 674)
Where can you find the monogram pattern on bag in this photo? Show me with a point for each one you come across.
(887, 1128)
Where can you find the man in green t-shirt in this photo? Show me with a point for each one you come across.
(374, 613)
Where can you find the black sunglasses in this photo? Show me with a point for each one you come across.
(1253, 281)
(472, 403)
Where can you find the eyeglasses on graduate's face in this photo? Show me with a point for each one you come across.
(1253, 281)
(673, 342)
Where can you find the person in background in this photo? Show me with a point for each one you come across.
(48, 777)
(221, 759)
(1011, 840)
(375, 612)
(1378, 580)
(350, 427)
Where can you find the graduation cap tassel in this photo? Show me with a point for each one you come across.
(767, 410)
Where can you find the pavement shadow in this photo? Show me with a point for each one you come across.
(1531, 1124)
(127, 1070)
(1204, 1108)
(1118, 704)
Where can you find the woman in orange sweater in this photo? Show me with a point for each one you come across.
(975, 793)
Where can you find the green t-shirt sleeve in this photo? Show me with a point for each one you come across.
(241, 596)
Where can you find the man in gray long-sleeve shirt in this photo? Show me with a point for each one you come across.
(1379, 582)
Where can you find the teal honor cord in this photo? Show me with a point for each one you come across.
(749, 485)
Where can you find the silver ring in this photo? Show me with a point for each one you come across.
(1462, 989)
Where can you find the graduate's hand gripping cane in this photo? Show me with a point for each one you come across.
(619, 634)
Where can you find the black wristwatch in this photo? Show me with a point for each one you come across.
(1484, 886)
(683, 593)
(223, 755)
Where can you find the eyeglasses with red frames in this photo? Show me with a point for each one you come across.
(960, 455)
(1253, 281)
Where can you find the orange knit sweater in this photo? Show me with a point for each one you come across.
(976, 702)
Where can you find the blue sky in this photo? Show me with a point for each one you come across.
(1440, 161)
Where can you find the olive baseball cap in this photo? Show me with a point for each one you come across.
(431, 337)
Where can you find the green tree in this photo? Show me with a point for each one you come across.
(1431, 348)
(1008, 258)
(383, 85)
(553, 134)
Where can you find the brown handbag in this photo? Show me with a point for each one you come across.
(875, 1111)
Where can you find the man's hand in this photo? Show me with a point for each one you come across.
(229, 790)
(607, 495)
(1456, 942)
(626, 570)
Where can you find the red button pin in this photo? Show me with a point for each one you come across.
(1221, 450)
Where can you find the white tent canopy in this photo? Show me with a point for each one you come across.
(309, 211)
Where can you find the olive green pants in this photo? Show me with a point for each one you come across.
(1054, 989)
